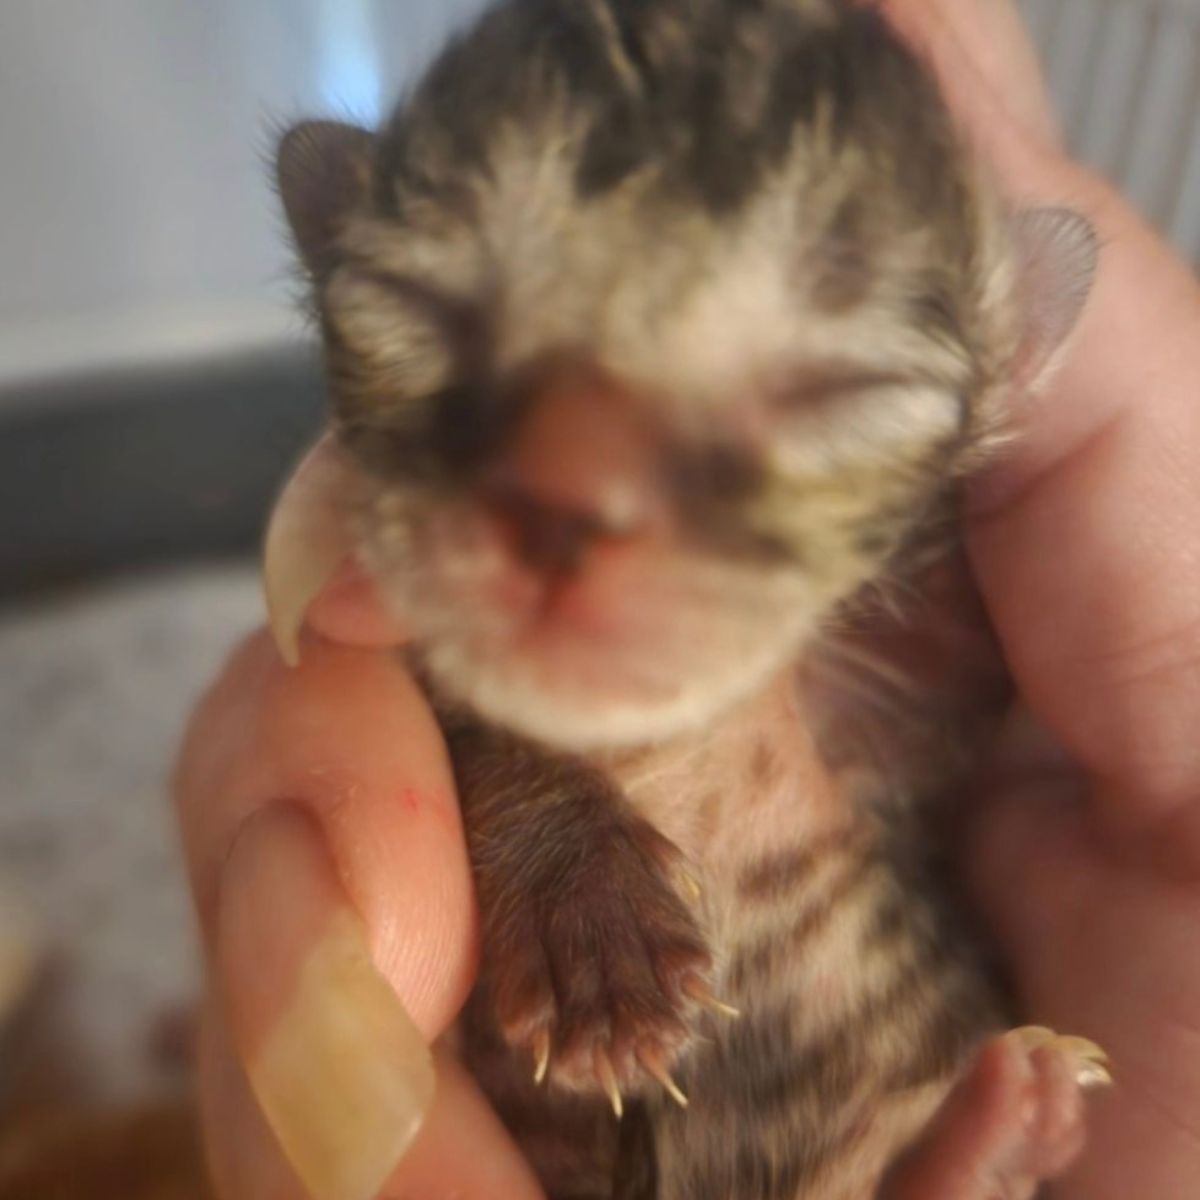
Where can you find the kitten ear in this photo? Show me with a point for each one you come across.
(1057, 252)
(323, 169)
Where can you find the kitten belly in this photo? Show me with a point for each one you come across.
(861, 1000)
(856, 1019)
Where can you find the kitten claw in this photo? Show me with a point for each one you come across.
(653, 1066)
(690, 884)
(1033, 1036)
(1090, 1060)
(699, 992)
(307, 540)
(541, 1050)
(1094, 1076)
(608, 1079)
(1085, 1049)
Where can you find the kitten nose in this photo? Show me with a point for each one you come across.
(580, 466)
(553, 541)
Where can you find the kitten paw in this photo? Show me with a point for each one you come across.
(601, 981)
(1087, 1062)
(1016, 1121)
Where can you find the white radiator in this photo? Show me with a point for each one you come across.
(1126, 79)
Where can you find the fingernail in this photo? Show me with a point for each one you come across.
(340, 1071)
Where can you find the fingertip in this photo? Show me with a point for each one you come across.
(352, 735)
(351, 611)
(244, 1161)
(979, 1122)
(437, 1165)
(986, 62)
(337, 1065)
(462, 1149)
(350, 738)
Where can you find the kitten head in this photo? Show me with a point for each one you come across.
(655, 330)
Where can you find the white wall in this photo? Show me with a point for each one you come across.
(1126, 78)
(136, 218)
(136, 215)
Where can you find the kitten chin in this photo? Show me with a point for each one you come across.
(560, 687)
(611, 713)
(642, 643)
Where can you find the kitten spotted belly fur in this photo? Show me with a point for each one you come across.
(859, 1003)
(859, 1006)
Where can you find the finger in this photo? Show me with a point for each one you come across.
(333, 890)
(978, 1128)
(350, 611)
(349, 737)
(244, 1160)
(1081, 536)
(341, 1073)
(1083, 540)
(1104, 949)
(462, 1150)
(984, 59)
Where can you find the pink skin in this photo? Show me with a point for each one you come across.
(1016, 1120)
(596, 606)
(570, 452)
(1087, 859)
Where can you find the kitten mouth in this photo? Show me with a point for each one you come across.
(639, 639)
(555, 540)
(564, 576)
(571, 508)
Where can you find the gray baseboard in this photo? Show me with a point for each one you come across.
(140, 468)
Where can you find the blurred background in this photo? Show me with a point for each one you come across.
(155, 384)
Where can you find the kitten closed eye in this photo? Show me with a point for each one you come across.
(824, 421)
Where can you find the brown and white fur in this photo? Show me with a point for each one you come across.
(660, 334)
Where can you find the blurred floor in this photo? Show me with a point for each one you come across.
(94, 691)
(147, 1153)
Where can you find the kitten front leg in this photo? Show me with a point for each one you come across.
(594, 963)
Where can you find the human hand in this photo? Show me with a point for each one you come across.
(1087, 857)
(328, 867)
(1080, 541)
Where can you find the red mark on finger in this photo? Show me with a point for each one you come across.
(434, 803)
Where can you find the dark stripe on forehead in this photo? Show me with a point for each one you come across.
(509, 66)
(617, 20)
(709, 94)
(617, 146)
(722, 105)
(890, 923)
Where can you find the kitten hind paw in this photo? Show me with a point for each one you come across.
(1089, 1062)
(1016, 1121)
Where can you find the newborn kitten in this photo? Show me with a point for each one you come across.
(660, 334)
